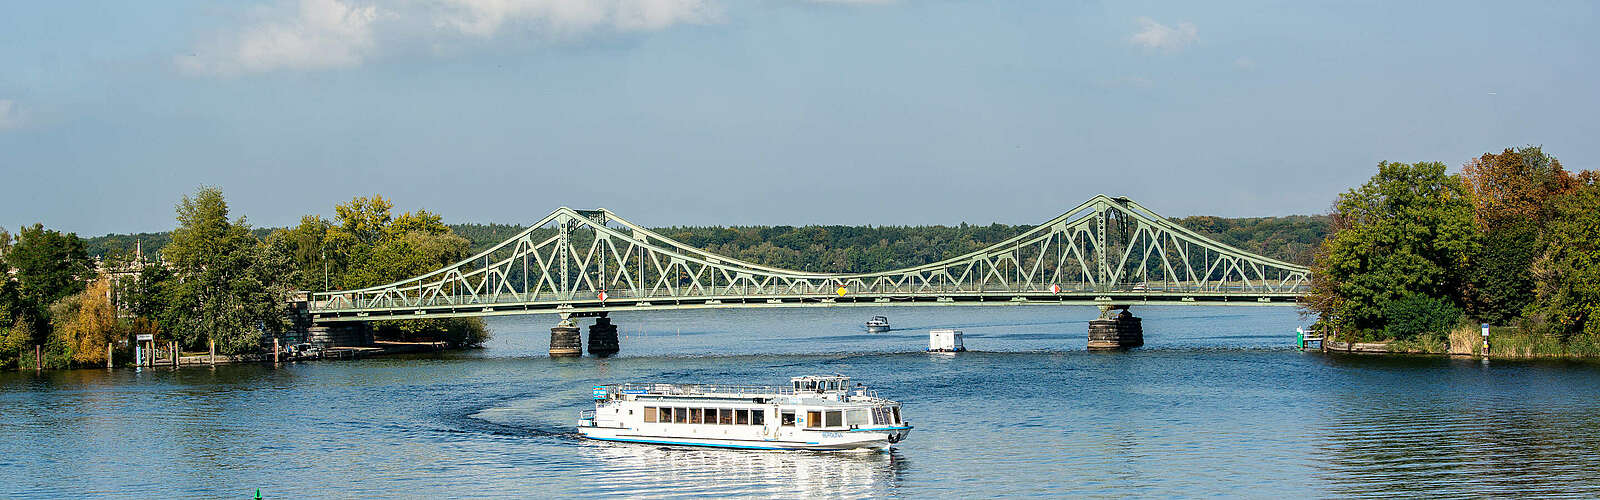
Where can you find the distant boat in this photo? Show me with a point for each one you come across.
(878, 324)
(945, 341)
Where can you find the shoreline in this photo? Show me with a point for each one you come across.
(376, 349)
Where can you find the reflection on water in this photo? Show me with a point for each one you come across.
(1218, 404)
(641, 470)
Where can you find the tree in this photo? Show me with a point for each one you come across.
(1407, 231)
(49, 266)
(1567, 275)
(1512, 194)
(366, 245)
(85, 323)
(224, 290)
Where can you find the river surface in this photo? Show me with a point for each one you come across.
(1218, 403)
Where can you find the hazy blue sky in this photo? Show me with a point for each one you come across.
(766, 111)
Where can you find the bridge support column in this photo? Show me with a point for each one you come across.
(566, 340)
(1115, 331)
(603, 337)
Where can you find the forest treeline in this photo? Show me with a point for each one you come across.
(212, 281)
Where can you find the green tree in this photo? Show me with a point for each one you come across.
(367, 245)
(49, 266)
(1567, 275)
(1407, 232)
(229, 288)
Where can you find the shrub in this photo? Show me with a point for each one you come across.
(1414, 316)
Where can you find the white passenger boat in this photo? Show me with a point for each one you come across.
(813, 413)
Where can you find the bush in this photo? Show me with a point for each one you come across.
(1415, 316)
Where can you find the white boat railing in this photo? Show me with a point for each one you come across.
(692, 389)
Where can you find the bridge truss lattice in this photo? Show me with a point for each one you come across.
(590, 261)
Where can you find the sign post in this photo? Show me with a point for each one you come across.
(1485, 340)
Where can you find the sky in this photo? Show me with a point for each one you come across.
(729, 112)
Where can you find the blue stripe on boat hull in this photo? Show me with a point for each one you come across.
(713, 445)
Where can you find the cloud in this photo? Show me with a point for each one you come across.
(565, 18)
(327, 34)
(10, 116)
(1154, 35)
(1244, 63)
(319, 34)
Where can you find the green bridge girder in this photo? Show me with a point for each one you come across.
(587, 262)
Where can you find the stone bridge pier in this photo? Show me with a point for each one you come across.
(1115, 330)
(566, 340)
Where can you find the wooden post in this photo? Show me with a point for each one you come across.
(38, 358)
(108, 355)
(275, 350)
(174, 353)
(213, 346)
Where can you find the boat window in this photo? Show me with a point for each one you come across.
(726, 416)
(758, 417)
(741, 417)
(813, 419)
(680, 415)
(649, 414)
(856, 417)
(696, 415)
(835, 419)
(896, 415)
(666, 415)
(787, 419)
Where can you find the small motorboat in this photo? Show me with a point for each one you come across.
(878, 324)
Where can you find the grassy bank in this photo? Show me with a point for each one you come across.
(1504, 342)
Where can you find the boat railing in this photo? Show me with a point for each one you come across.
(586, 415)
(692, 389)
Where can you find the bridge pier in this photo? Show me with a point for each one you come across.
(1115, 331)
(566, 340)
(603, 337)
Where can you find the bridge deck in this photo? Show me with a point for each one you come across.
(595, 306)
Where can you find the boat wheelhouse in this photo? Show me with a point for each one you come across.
(878, 324)
(821, 413)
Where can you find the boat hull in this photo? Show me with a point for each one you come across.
(816, 441)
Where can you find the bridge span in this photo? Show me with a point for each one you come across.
(1109, 252)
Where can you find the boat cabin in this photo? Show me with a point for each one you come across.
(820, 383)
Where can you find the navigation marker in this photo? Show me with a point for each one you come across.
(1054, 288)
(602, 295)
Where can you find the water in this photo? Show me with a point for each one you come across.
(1218, 404)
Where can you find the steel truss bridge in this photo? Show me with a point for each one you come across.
(589, 262)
